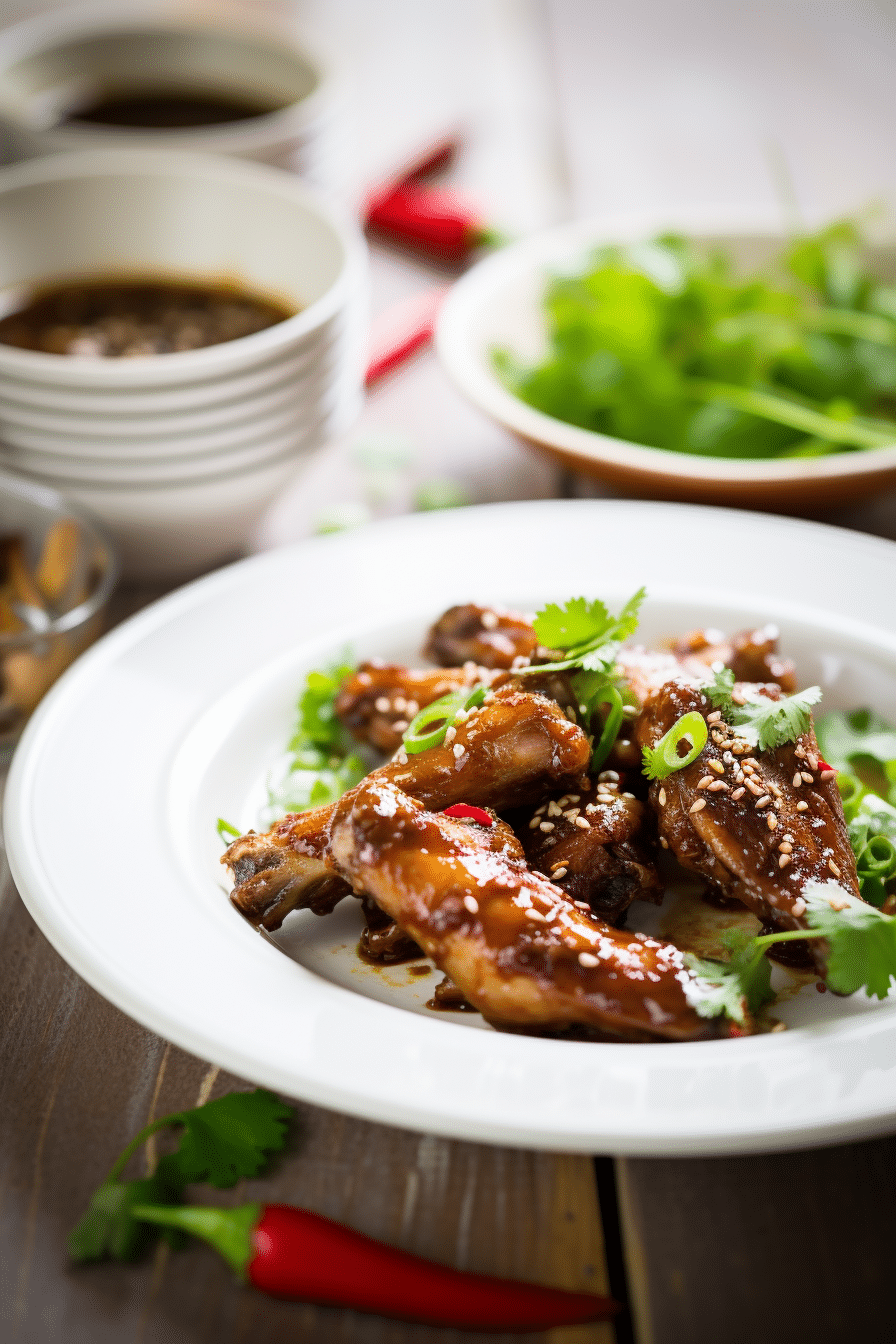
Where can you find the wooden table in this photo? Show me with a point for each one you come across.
(569, 107)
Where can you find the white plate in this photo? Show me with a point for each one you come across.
(173, 719)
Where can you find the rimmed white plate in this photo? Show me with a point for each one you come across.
(174, 719)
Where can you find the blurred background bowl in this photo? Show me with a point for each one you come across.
(241, 405)
(499, 304)
(55, 65)
(57, 572)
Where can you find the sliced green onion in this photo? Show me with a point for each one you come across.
(428, 728)
(610, 696)
(876, 865)
(663, 759)
(226, 831)
(852, 791)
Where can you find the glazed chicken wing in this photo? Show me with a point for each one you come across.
(377, 702)
(514, 944)
(514, 749)
(484, 635)
(759, 825)
(592, 843)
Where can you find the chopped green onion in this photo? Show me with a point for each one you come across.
(610, 696)
(226, 831)
(420, 733)
(663, 759)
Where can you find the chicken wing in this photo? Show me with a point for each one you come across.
(760, 825)
(592, 843)
(484, 635)
(514, 944)
(514, 749)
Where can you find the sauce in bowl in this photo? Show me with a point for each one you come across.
(122, 318)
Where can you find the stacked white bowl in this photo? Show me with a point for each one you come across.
(54, 64)
(179, 454)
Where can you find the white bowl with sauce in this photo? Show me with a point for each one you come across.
(151, 213)
(151, 77)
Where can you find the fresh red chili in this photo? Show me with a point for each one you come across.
(401, 332)
(300, 1255)
(470, 811)
(432, 161)
(436, 223)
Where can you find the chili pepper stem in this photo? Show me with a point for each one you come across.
(229, 1231)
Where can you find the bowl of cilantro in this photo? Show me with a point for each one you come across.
(709, 361)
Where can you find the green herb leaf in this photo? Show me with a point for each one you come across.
(861, 940)
(226, 831)
(586, 632)
(231, 1138)
(739, 987)
(222, 1142)
(762, 722)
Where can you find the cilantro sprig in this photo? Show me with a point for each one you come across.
(222, 1142)
(323, 763)
(585, 633)
(761, 722)
(861, 955)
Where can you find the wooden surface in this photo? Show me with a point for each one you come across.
(569, 107)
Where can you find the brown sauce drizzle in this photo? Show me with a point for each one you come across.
(120, 318)
(383, 943)
(447, 998)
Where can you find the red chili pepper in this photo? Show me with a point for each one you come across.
(435, 223)
(296, 1254)
(823, 765)
(474, 813)
(401, 332)
(433, 161)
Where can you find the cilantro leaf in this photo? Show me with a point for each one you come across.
(318, 725)
(108, 1228)
(223, 1141)
(762, 722)
(861, 940)
(586, 632)
(737, 988)
(231, 1138)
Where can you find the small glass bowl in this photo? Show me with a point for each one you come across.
(57, 572)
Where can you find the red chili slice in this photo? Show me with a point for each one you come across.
(469, 812)
(823, 765)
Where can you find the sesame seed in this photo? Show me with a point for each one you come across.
(717, 766)
(788, 837)
(533, 823)
(608, 774)
(575, 797)
(546, 826)
(697, 806)
(535, 915)
(802, 807)
(382, 704)
(717, 786)
(489, 620)
(400, 703)
(797, 780)
(399, 725)
(806, 777)
(783, 860)
(661, 799)
(763, 801)
(812, 759)
(553, 810)
(826, 775)
(771, 821)
(450, 735)
(471, 904)
(833, 867)
(582, 905)
(539, 811)
(564, 801)
(786, 847)
(558, 873)
(754, 788)
(714, 716)
(738, 793)
(605, 799)
(571, 813)
(799, 907)
(583, 823)
(587, 959)
(664, 843)
(458, 751)
(751, 760)
(628, 795)
(739, 748)
(705, 782)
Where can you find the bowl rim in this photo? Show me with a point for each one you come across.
(47, 32)
(471, 374)
(178, 367)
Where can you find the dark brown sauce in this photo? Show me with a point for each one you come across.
(166, 110)
(120, 319)
(383, 943)
(447, 998)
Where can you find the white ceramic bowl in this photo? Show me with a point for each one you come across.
(57, 61)
(162, 212)
(499, 304)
